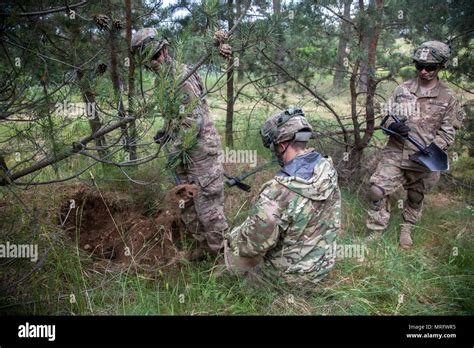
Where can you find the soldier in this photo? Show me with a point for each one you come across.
(291, 232)
(204, 219)
(432, 114)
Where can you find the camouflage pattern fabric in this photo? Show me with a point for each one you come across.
(435, 52)
(291, 232)
(205, 219)
(432, 117)
(390, 177)
(147, 42)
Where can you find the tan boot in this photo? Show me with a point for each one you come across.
(405, 236)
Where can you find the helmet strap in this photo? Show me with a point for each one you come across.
(279, 155)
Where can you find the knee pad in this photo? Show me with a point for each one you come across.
(415, 198)
(376, 196)
(376, 193)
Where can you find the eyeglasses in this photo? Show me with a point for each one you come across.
(427, 67)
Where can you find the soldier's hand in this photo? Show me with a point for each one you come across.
(400, 128)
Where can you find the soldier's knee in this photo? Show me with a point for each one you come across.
(415, 198)
(376, 193)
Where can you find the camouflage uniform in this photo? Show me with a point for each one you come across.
(432, 117)
(291, 232)
(205, 219)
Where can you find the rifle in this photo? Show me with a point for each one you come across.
(237, 180)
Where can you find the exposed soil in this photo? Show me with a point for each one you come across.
(109, 227)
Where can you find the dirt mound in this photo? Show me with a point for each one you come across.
(108, 226)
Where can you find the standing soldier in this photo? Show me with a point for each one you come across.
(204, 219)
(432, 116)
(291, 232)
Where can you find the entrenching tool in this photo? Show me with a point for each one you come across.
(237, 180)
(432, 157)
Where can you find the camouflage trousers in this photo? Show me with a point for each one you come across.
(259, 271)
(205, 219)
(389, 177)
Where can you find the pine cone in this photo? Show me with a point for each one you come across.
(225, 51)
(118, 25)
(101, 68)
(220, 36)
(102, 21)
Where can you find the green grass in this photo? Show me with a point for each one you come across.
(425, 280)
(434, 277)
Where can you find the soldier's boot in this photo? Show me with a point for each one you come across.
(405, 236)
(411, 213)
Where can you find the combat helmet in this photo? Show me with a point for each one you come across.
(435, 52)
(146, 43)
(289, 125)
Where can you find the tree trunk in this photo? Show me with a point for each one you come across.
(366, 28)
(371, 67)
(229, 136)
(338, 80)
(88, 97)
(50, 124)
(362, 85)
(93, 117)
(279, 50)
(3, 171)
(131, 82)
(240, 68)
(116, 78)
(369, 35)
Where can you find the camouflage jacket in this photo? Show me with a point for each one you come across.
(433, 117)
(195, 118)
(294, 223)
(195, 115)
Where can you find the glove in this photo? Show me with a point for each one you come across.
(400, 128)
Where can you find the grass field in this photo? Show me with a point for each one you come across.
(436, 276)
